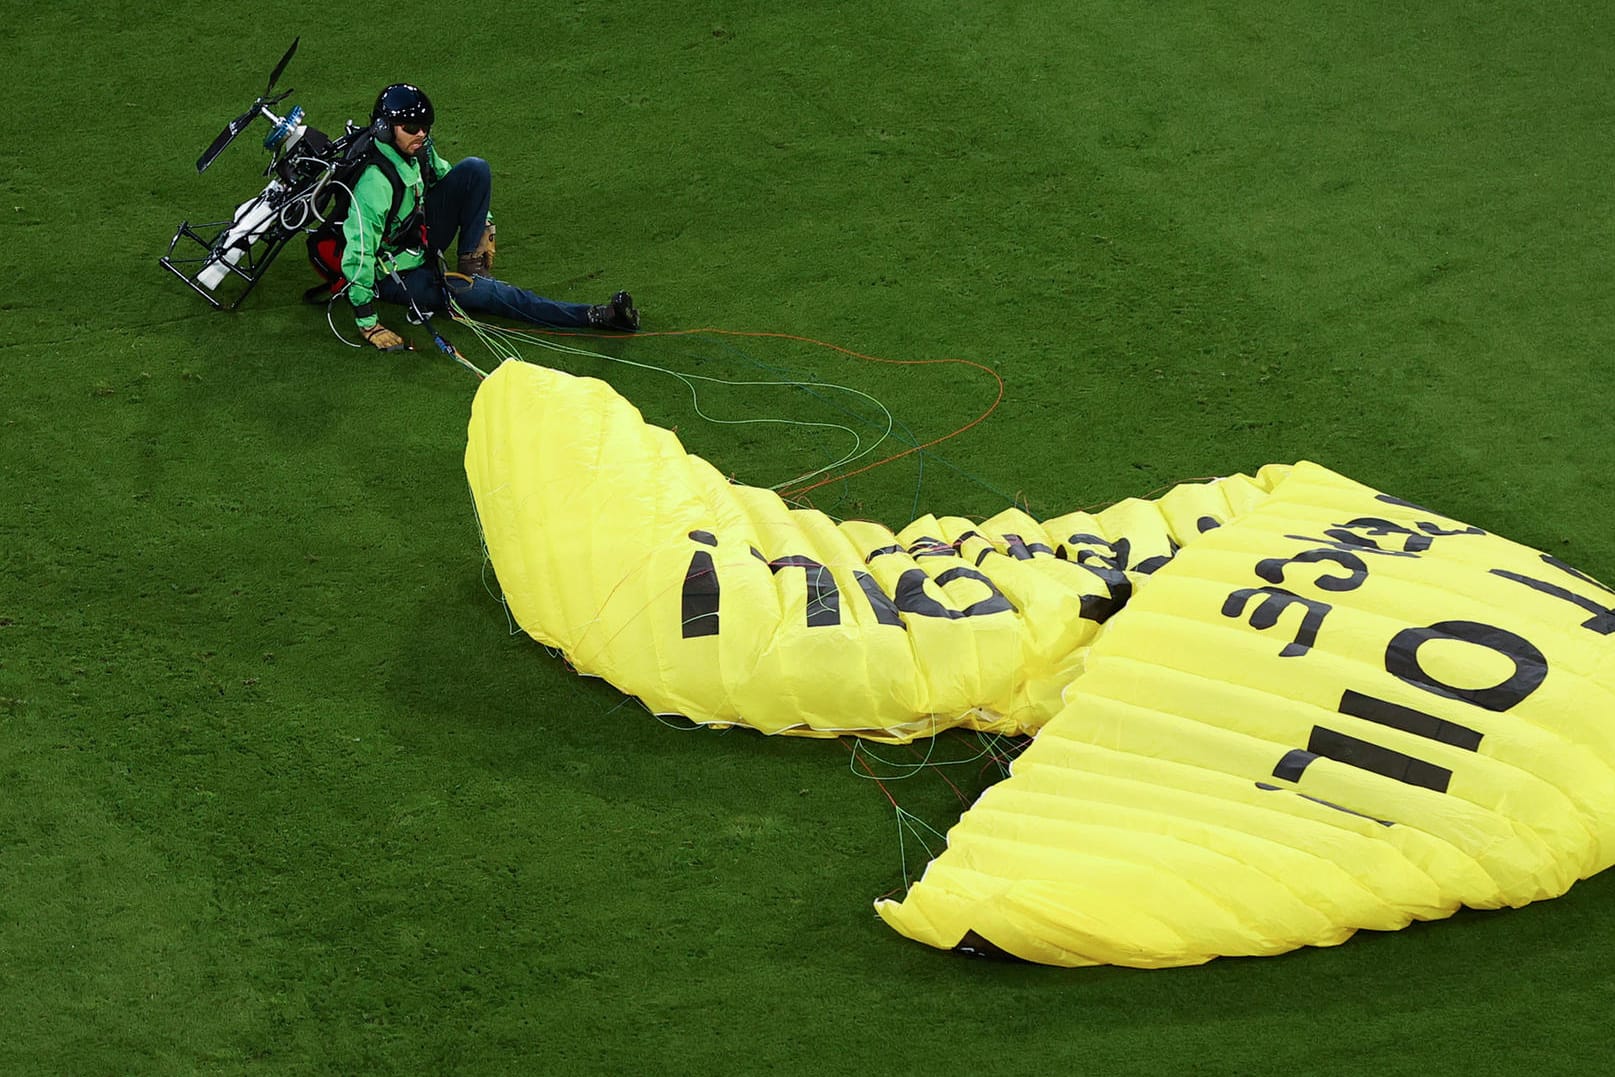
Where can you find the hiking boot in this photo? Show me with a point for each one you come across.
(479, 263)
(618, 314)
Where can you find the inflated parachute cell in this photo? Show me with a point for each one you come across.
(718, 602)
(1269, 711)
(1339, 711)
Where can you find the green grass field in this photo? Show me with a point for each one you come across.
(283, 793)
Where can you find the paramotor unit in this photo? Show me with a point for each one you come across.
(306, 171)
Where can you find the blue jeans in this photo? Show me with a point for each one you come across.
(458, 205)
(483, 295)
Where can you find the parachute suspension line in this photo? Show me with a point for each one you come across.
(492, 336)
(957, 792)
(997, 749)
(790, 490)
(907, 823)
(686, 726)
(897, 770)
(487, 562)
(511, 626)
(997, 379)
(902, 770)
(910, 438)
(913, 824)
(689, 379)
(790, 494)
(907, 437)
(1000, 751)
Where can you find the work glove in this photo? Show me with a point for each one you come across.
(383, 339)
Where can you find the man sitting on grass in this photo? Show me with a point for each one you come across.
(407, 183)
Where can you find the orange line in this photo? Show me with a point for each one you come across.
(915, 752)
(798, 492)
(873, 777)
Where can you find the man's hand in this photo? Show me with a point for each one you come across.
(383, 339)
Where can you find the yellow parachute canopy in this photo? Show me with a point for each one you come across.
(1339, 711)
(1322, 709)
(718, 602)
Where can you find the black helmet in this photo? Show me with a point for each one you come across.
(402, 103)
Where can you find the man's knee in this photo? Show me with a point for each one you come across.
(475, 169)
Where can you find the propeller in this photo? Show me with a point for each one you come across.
(274, 76)
(241, 122)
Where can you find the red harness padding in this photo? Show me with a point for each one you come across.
(327, 242)
(325, 255)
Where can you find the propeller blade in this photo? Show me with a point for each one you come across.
(284, 60)
(226, 136)
(239, 124)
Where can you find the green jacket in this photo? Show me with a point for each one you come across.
(367, 216)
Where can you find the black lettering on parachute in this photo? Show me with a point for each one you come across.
(1530, 665)
(1602, 620)
(1402, 662)
(1272, 569)
(1266, 614)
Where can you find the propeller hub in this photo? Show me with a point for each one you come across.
(291, 126)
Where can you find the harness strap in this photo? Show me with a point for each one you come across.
(394, 233)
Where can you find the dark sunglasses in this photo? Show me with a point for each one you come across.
(414, 128)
